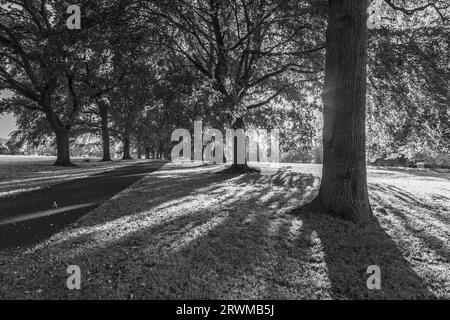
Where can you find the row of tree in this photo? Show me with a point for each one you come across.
(138, 69)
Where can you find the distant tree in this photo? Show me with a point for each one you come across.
(40, 57)
(4, 147)
(250, 51)
(108, 54)
(99, 77)
(128, 103)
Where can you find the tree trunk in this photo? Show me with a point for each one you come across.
(167, 154)
(343, 190)
(147, 153)
(139, 146)
(105, 133)
(239, 123)
(62, 139)
(126, 148)
(63, 148)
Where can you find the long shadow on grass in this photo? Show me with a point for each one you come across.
(163, 190)
(428, 223)
(228, 251)
(349, 250)
(407, 199)
(221, 252)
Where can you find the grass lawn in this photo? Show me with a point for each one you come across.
(27, 173)
(193, 233)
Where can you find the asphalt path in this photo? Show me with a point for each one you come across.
(30, 217)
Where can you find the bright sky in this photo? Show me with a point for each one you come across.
(7, 121)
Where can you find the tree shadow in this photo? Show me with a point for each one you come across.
(426, 222)
(349, 250)
(222, 251)
(203, 241)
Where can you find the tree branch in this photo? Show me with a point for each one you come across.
(262, 103)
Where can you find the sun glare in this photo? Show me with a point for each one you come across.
(310, 99)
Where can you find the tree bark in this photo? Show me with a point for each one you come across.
(62, 139)
(63, 148)
(239, 123)
(105, 132)
(343, 190)
(126, 148)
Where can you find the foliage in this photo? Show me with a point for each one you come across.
(407, 101)
(163, 65)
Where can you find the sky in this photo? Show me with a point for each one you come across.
(7, 121)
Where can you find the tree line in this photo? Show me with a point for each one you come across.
(137, 70)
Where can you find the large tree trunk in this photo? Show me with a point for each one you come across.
(63, 148)
(343, 191)
(105, 132)
(126, 148)
(62, 140)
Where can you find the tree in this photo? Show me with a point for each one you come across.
(250, 51)
(32, 64)
(99, 77)
(343, 190)
(103, 106)
(108, 54)
(4, 147)
(39, 59)
(128, 103)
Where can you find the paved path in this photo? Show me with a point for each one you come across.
(31, 217)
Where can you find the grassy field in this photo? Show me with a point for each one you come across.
(196, 233)
(26, 173)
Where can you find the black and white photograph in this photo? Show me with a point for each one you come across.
(231, 158)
